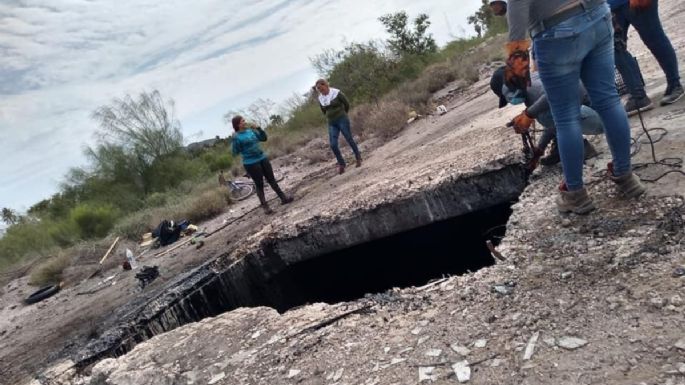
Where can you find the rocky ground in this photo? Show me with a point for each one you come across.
(579, 300)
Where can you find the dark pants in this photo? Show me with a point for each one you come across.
(648, 26)
(334, 129)
(259, 171)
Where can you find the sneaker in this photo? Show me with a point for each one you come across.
(341, 169)
(672, 95)
(267, 209)
(287, 199)
(629, 185)
(359, 162)
(589, 150)
(553, 157)
(635, 105)
(577, 202)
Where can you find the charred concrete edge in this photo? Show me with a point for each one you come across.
(254, 280)
(448, 200)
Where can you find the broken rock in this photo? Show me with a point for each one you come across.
(426, 373)
(680, 344)
(530, 348)
(571, 343)
(462, 370)
(461, 350)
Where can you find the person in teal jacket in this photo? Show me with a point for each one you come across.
(246, 144)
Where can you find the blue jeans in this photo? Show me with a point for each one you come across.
(590, 124)
(335, 127)
(648, 26)
(582, 47)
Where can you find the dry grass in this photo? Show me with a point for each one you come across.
(203, 201)
(50, 271)
(385, 120)
(206, 205)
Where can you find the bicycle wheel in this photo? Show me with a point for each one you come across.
(279, 176)
(241, 191)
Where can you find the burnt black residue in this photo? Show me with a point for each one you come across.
(437, 233)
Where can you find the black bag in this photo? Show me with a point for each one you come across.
(167, 232)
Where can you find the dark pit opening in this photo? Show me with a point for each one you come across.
(412, 258)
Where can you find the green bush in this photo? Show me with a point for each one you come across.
(217, 161)
(135, 224)
(25, 240)
(65, 233)
(170, 171)
(93, 221)
(307, 114)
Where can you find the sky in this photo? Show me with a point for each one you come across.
(61, 59)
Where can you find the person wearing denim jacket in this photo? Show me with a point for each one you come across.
(573, 40)
(335, 106)
(643, 15)
(537, 107)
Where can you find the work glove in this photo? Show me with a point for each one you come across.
(517, 71)
(522, 122)
(640, 4)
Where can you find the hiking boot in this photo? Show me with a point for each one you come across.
(629, 185)
(267, 209)
(287, 199)
(341, 169)
(359, 162)
(577, 202)
(553, 157)
(635, 105)
(589, 150)
(672, 95)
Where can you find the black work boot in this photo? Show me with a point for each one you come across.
(262, 201)
(553, 157)
(672, 95)
(635, 105)
(267, 209)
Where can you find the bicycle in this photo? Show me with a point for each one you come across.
(240, 189)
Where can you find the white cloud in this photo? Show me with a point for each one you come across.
(63, 58)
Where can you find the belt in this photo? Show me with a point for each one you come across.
(580, 7)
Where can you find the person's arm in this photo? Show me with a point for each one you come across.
(261, 134)
(235, 146)
(518, 12)
(539, 106)
(344, 101)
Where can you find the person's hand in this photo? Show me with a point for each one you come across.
(640, 4)
(522, 122)
(517, 71)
